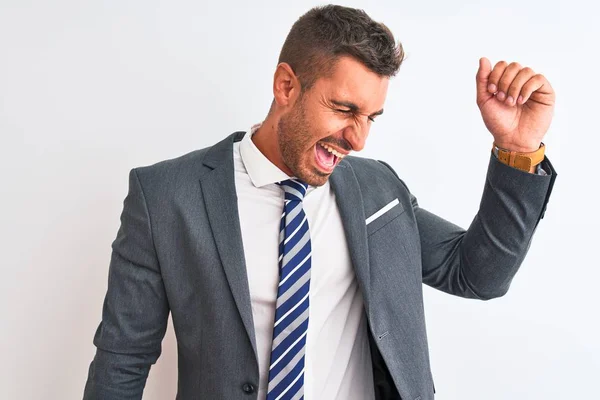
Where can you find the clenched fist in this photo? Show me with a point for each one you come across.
(516, 104)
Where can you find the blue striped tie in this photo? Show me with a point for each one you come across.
(286, 371)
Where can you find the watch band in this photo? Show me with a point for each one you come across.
(523, 161)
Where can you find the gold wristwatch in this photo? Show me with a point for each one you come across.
(523, 161)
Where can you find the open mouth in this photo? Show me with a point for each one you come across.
(327, 157)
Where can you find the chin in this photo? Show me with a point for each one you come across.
(313, 176)
(306, 171)
(318, 181)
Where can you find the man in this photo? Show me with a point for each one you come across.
(293, 270)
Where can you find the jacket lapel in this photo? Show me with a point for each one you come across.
(220, 198)
(350, 203)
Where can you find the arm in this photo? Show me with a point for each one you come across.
(135, 310)
(482, 261)
(516, 105)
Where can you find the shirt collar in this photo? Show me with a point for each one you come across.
(260, 169)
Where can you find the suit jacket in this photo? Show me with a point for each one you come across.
(179, 250)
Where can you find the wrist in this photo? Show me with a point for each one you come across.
(525, 161)
(519, 148)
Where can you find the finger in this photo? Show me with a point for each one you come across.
(485, 67)
(496, 75)
(536, 83)
(506, 79)
(514, 90)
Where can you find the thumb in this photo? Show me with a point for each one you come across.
(483, 73)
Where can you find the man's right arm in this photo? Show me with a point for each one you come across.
(135, 310)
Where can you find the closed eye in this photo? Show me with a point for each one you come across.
(348, 112)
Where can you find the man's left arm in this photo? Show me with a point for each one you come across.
(480, 262)
(517, 106)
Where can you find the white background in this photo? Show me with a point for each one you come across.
(89, 90)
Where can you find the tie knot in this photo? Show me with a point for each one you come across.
(294, 189)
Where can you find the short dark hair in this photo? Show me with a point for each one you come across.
(326, 33)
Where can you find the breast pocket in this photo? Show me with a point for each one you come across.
(384, 216)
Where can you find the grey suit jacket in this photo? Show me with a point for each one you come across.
(179, 250)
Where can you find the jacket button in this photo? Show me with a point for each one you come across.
(248, 388)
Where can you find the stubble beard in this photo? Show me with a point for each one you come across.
(293, 133)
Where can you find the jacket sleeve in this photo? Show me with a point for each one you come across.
(135, 309)
(480, 262)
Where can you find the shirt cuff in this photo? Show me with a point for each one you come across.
(540, 171)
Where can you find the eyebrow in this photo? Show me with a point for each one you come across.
(353, 107)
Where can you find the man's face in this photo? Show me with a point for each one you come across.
(330, 120)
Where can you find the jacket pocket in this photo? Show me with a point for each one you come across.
(384, 216)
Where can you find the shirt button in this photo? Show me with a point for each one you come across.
(248, 388)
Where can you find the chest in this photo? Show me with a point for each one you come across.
(260, 211)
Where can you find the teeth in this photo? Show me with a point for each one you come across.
(332, 151)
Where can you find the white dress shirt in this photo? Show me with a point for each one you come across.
(337, 357)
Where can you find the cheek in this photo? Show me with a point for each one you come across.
(328, 124)
(335, 127)
(319, 124)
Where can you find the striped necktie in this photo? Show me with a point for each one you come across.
(286, 371)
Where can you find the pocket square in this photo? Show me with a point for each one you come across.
(382, 211)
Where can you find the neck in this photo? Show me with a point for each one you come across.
(266, 140)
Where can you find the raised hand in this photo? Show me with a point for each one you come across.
(516, 104)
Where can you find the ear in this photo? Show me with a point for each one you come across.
(286, 85)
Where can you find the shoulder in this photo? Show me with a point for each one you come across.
(189, 166)
(170, 171)
(379, 183)
(373, 172)
(178, 178)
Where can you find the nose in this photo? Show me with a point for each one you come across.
(356, 135)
